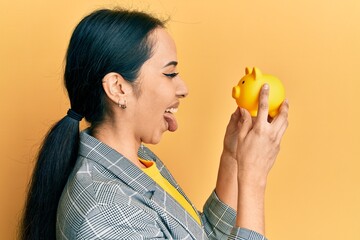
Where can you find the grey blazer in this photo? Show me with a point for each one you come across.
(108, 197)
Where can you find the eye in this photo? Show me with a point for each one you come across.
(243, 82)
(171, 75)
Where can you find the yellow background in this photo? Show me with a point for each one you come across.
(313, 46)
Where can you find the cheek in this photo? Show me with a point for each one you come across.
(159, 99)
(150, 114)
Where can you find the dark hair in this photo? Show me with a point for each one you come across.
(104, 41)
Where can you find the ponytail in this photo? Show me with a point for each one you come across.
(56, 159)
(104, 41)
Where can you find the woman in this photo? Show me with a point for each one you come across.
(103, 183)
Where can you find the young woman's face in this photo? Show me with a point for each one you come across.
(160, 89)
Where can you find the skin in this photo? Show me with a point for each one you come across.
(143, 120)
(250, 149)
(250, 145)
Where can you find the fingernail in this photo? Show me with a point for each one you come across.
(266, 86)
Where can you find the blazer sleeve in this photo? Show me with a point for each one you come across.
(219, 221)
(120, 221)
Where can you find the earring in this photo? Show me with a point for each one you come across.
(122, 104)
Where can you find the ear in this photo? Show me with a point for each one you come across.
(247, 70)
(256, 73)
(116, 87)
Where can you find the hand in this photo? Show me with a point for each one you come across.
(231, 135)
(227, 181)
(259, 140)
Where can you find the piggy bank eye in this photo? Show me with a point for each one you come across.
(243, 82)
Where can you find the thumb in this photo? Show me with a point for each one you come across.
(235, 118)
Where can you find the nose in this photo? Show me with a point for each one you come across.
(182, 90)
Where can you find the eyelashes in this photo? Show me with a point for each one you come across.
(171, 75)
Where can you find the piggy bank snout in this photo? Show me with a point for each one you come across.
(236, 92)
(247, 95)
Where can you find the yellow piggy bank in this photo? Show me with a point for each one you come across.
(246, 93)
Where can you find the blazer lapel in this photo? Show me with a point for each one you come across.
(119, 165)
(168, 208)
(166, 202)
(147, 154)
(171, 211)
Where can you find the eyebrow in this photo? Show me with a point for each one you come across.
(174, 63)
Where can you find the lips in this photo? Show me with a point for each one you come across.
(170, 117)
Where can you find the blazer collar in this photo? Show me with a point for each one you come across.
(119, 165)
(136, 179)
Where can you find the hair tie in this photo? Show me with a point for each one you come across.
(74, 115)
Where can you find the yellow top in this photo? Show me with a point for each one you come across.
(153, 172)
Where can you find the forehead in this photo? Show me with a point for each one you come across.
(164, 49)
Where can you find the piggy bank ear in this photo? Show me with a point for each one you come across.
(247, 70)
(256, 73)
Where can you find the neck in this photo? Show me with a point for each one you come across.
(120, 140)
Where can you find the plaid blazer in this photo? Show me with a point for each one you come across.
(108, 197)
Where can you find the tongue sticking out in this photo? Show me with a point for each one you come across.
(172, 124)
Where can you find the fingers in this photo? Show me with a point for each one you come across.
(235, 116)
(245, 123)
(280, 122)
(281, 132)
(233, 123)
(263, 108)
(282, 116)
